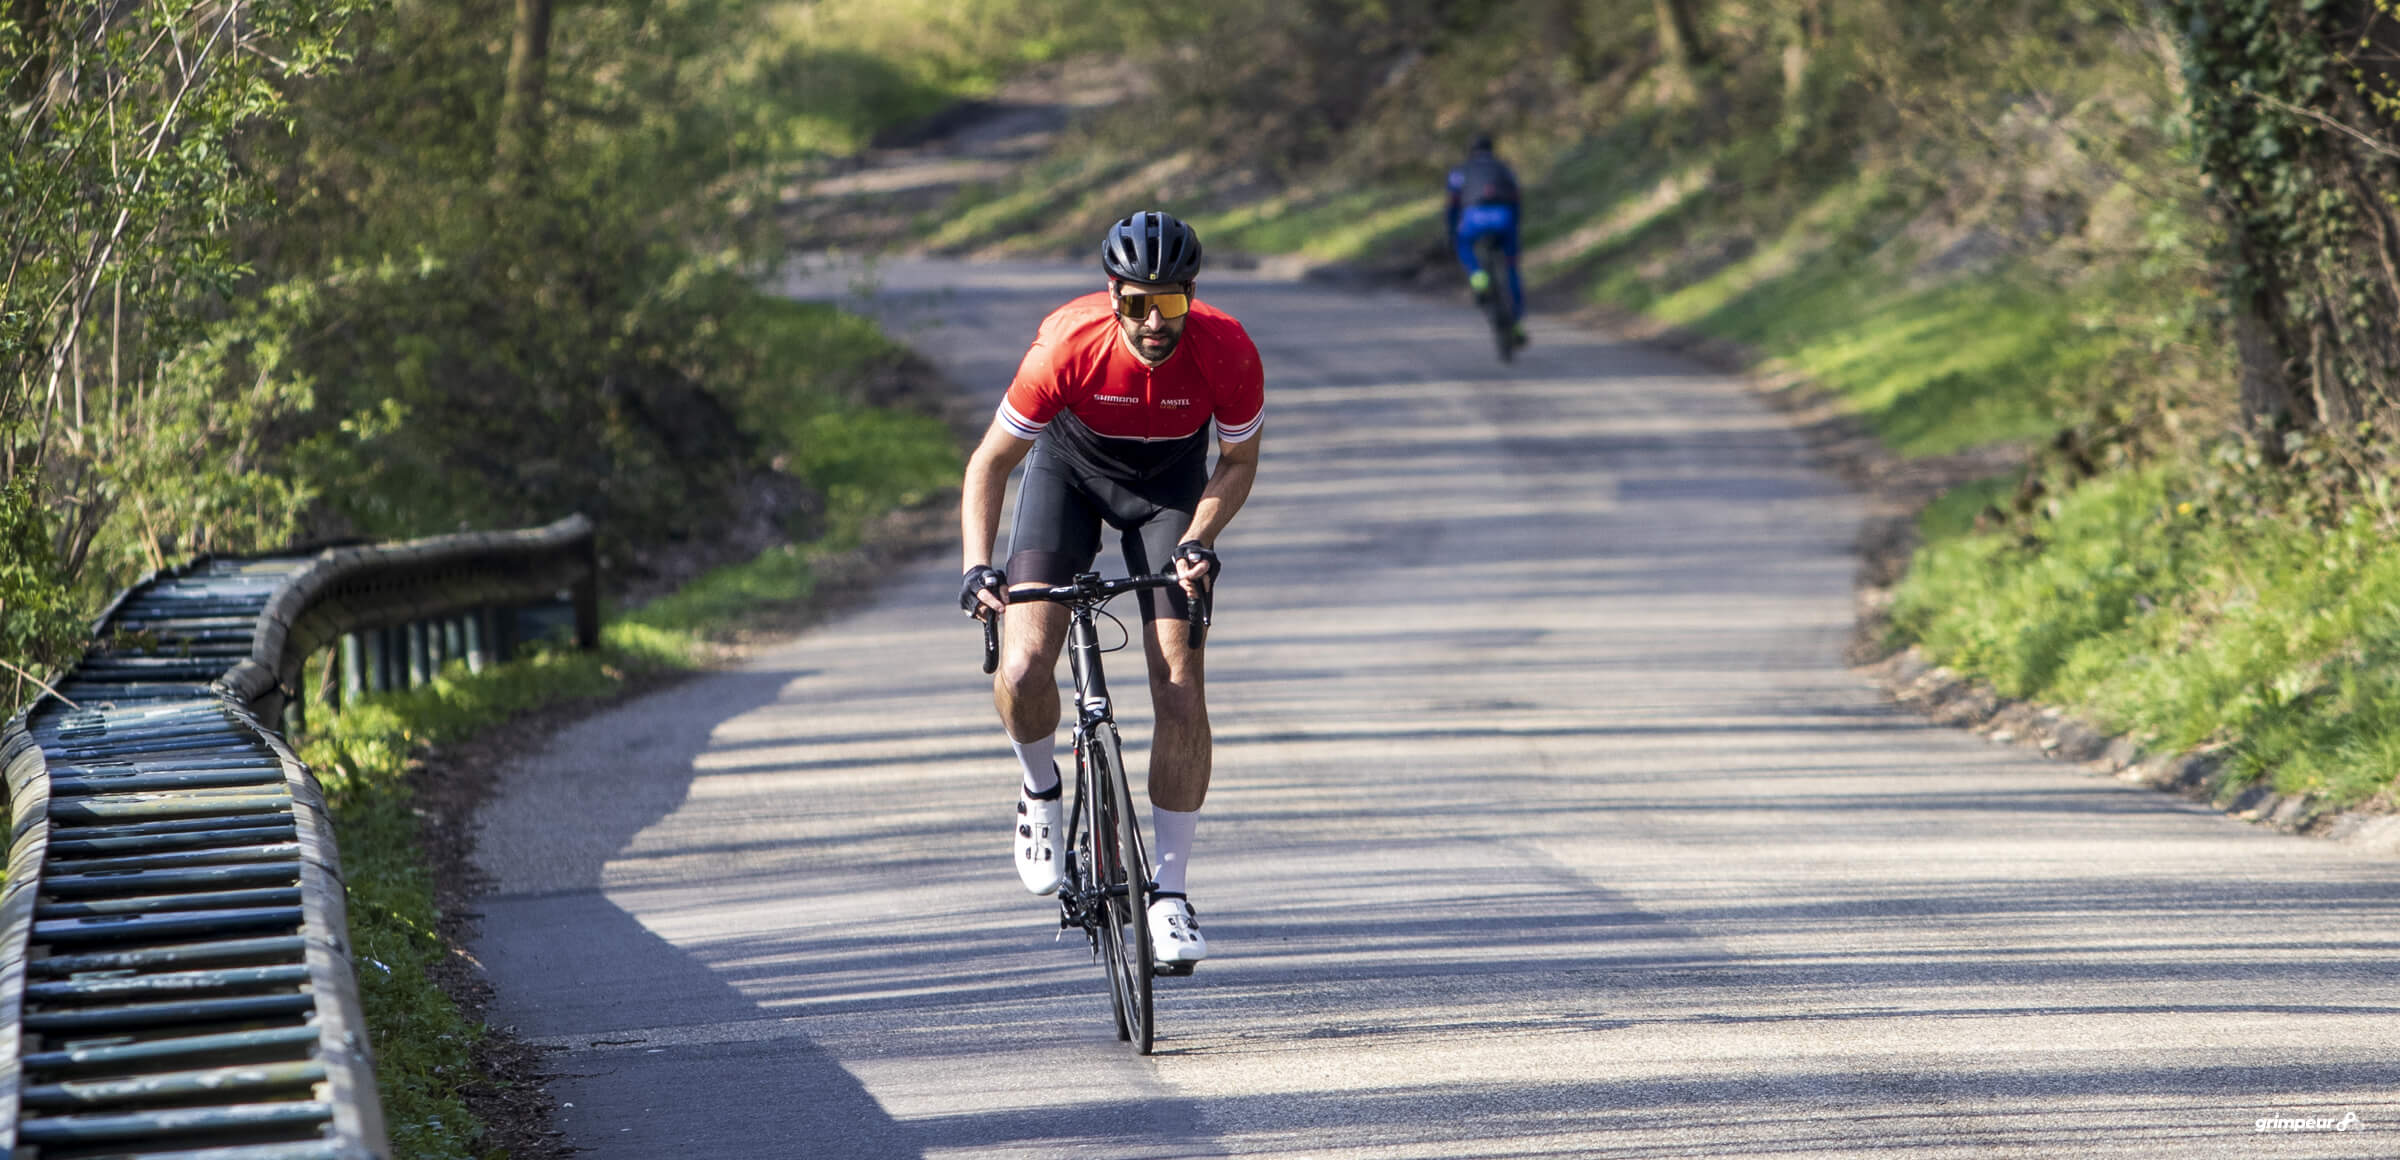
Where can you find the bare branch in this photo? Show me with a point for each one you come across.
(44, 684)
(98, 262)
(2320, 118)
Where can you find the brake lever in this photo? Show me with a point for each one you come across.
(991, 640)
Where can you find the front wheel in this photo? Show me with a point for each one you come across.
(1124, 873)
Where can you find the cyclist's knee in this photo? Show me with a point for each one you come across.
(1026, 671)
(1020, 681)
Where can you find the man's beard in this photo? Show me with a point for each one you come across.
(1168, 341)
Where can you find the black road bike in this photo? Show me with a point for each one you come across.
(1493, 260)
(1106, 891)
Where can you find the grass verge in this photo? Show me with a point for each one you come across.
(2161, 614)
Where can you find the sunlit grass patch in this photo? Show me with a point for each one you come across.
(2181, 625)
(1341, 225)
(841, 70)
(1026, 212)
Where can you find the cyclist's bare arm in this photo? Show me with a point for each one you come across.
(1228, 487)
(983, 492)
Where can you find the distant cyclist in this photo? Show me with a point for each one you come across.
(1484, 202)
(1110, 413)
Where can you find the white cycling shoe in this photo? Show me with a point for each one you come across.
(1175, 931)
(1039, 831)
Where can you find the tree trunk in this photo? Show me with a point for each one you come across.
(1680, 53)
(1679, 35)
(521, 105)
(1806, 32)
(2266, 385)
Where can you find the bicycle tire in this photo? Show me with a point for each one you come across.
(1125, 874)
(1495, 302)
(1087, 867)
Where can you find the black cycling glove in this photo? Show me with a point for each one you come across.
(1201, 554)
(980, 578)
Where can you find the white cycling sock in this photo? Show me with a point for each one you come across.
(1172, 830)
(1041, 773)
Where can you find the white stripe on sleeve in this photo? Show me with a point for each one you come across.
(1234, 434)
(1019, 425)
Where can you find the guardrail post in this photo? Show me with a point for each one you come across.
(476, 630)
(376, 665)
(415, 632)
(454, 638)
(354, 666)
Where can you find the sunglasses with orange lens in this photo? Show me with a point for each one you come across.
(1138, 306)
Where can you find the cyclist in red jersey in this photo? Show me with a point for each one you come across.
(1110, 413)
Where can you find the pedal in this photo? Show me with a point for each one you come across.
(1172, 970)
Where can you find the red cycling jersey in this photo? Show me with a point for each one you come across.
(1078, 364)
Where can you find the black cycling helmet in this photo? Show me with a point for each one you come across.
(1151, 246)
(1481, 144)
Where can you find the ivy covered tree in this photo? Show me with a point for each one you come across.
(2296, 114)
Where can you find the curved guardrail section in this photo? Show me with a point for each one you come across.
(175, 975)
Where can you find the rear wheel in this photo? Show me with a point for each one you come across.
(1490, 257)
(1124, 872)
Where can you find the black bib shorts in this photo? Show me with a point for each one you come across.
(1062, 501)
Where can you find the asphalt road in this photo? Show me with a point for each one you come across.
(1547, 822)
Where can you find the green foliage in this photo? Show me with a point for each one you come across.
(324, 314)
(1932, 370)
(127, 184)
(778, 576)
(868, 461)
(497, 356)
(818, 393)
(39, 625)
